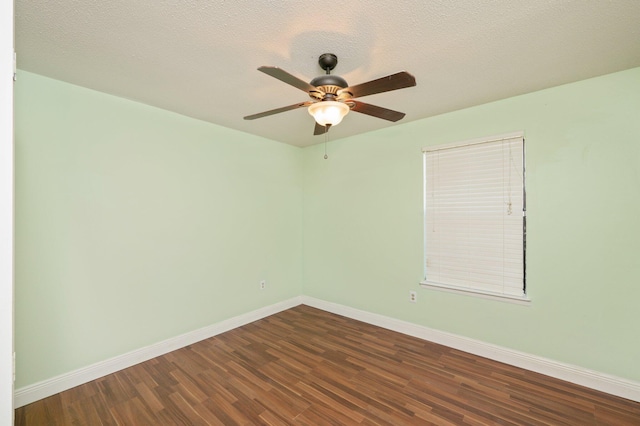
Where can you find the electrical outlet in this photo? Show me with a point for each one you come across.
(413, 297)
(263, 284)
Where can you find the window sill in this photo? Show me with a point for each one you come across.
(520, 300)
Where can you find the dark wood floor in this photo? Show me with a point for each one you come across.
(309, 367)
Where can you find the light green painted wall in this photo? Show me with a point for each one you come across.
(134, 225)
(363, 243)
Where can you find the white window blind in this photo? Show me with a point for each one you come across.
(474, 216)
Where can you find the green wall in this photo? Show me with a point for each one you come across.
(134, 225)
(363, 235)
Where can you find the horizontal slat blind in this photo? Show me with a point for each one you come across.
(474, 201)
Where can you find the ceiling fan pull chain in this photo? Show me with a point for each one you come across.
(326, 138)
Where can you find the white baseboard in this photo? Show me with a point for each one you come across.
(40, 390)
(592, 379)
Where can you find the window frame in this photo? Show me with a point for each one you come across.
(523, 299)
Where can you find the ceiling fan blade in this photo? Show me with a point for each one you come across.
(319, 130)
(284, 76)
(277, 110)
(395, 81)
(376, 111)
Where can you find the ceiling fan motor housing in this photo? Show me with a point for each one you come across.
(328, 86)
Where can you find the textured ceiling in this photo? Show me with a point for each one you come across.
(199, 58)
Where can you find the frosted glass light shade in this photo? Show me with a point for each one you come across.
(328, 112)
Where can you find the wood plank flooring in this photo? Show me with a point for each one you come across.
(305, 366)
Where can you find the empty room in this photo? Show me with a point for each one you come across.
(296, 212)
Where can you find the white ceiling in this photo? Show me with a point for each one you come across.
(199, 58)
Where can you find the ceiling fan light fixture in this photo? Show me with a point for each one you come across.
(328, 112)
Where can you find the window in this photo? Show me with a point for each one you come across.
(475, 217)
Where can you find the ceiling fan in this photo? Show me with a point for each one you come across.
(332, 98)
